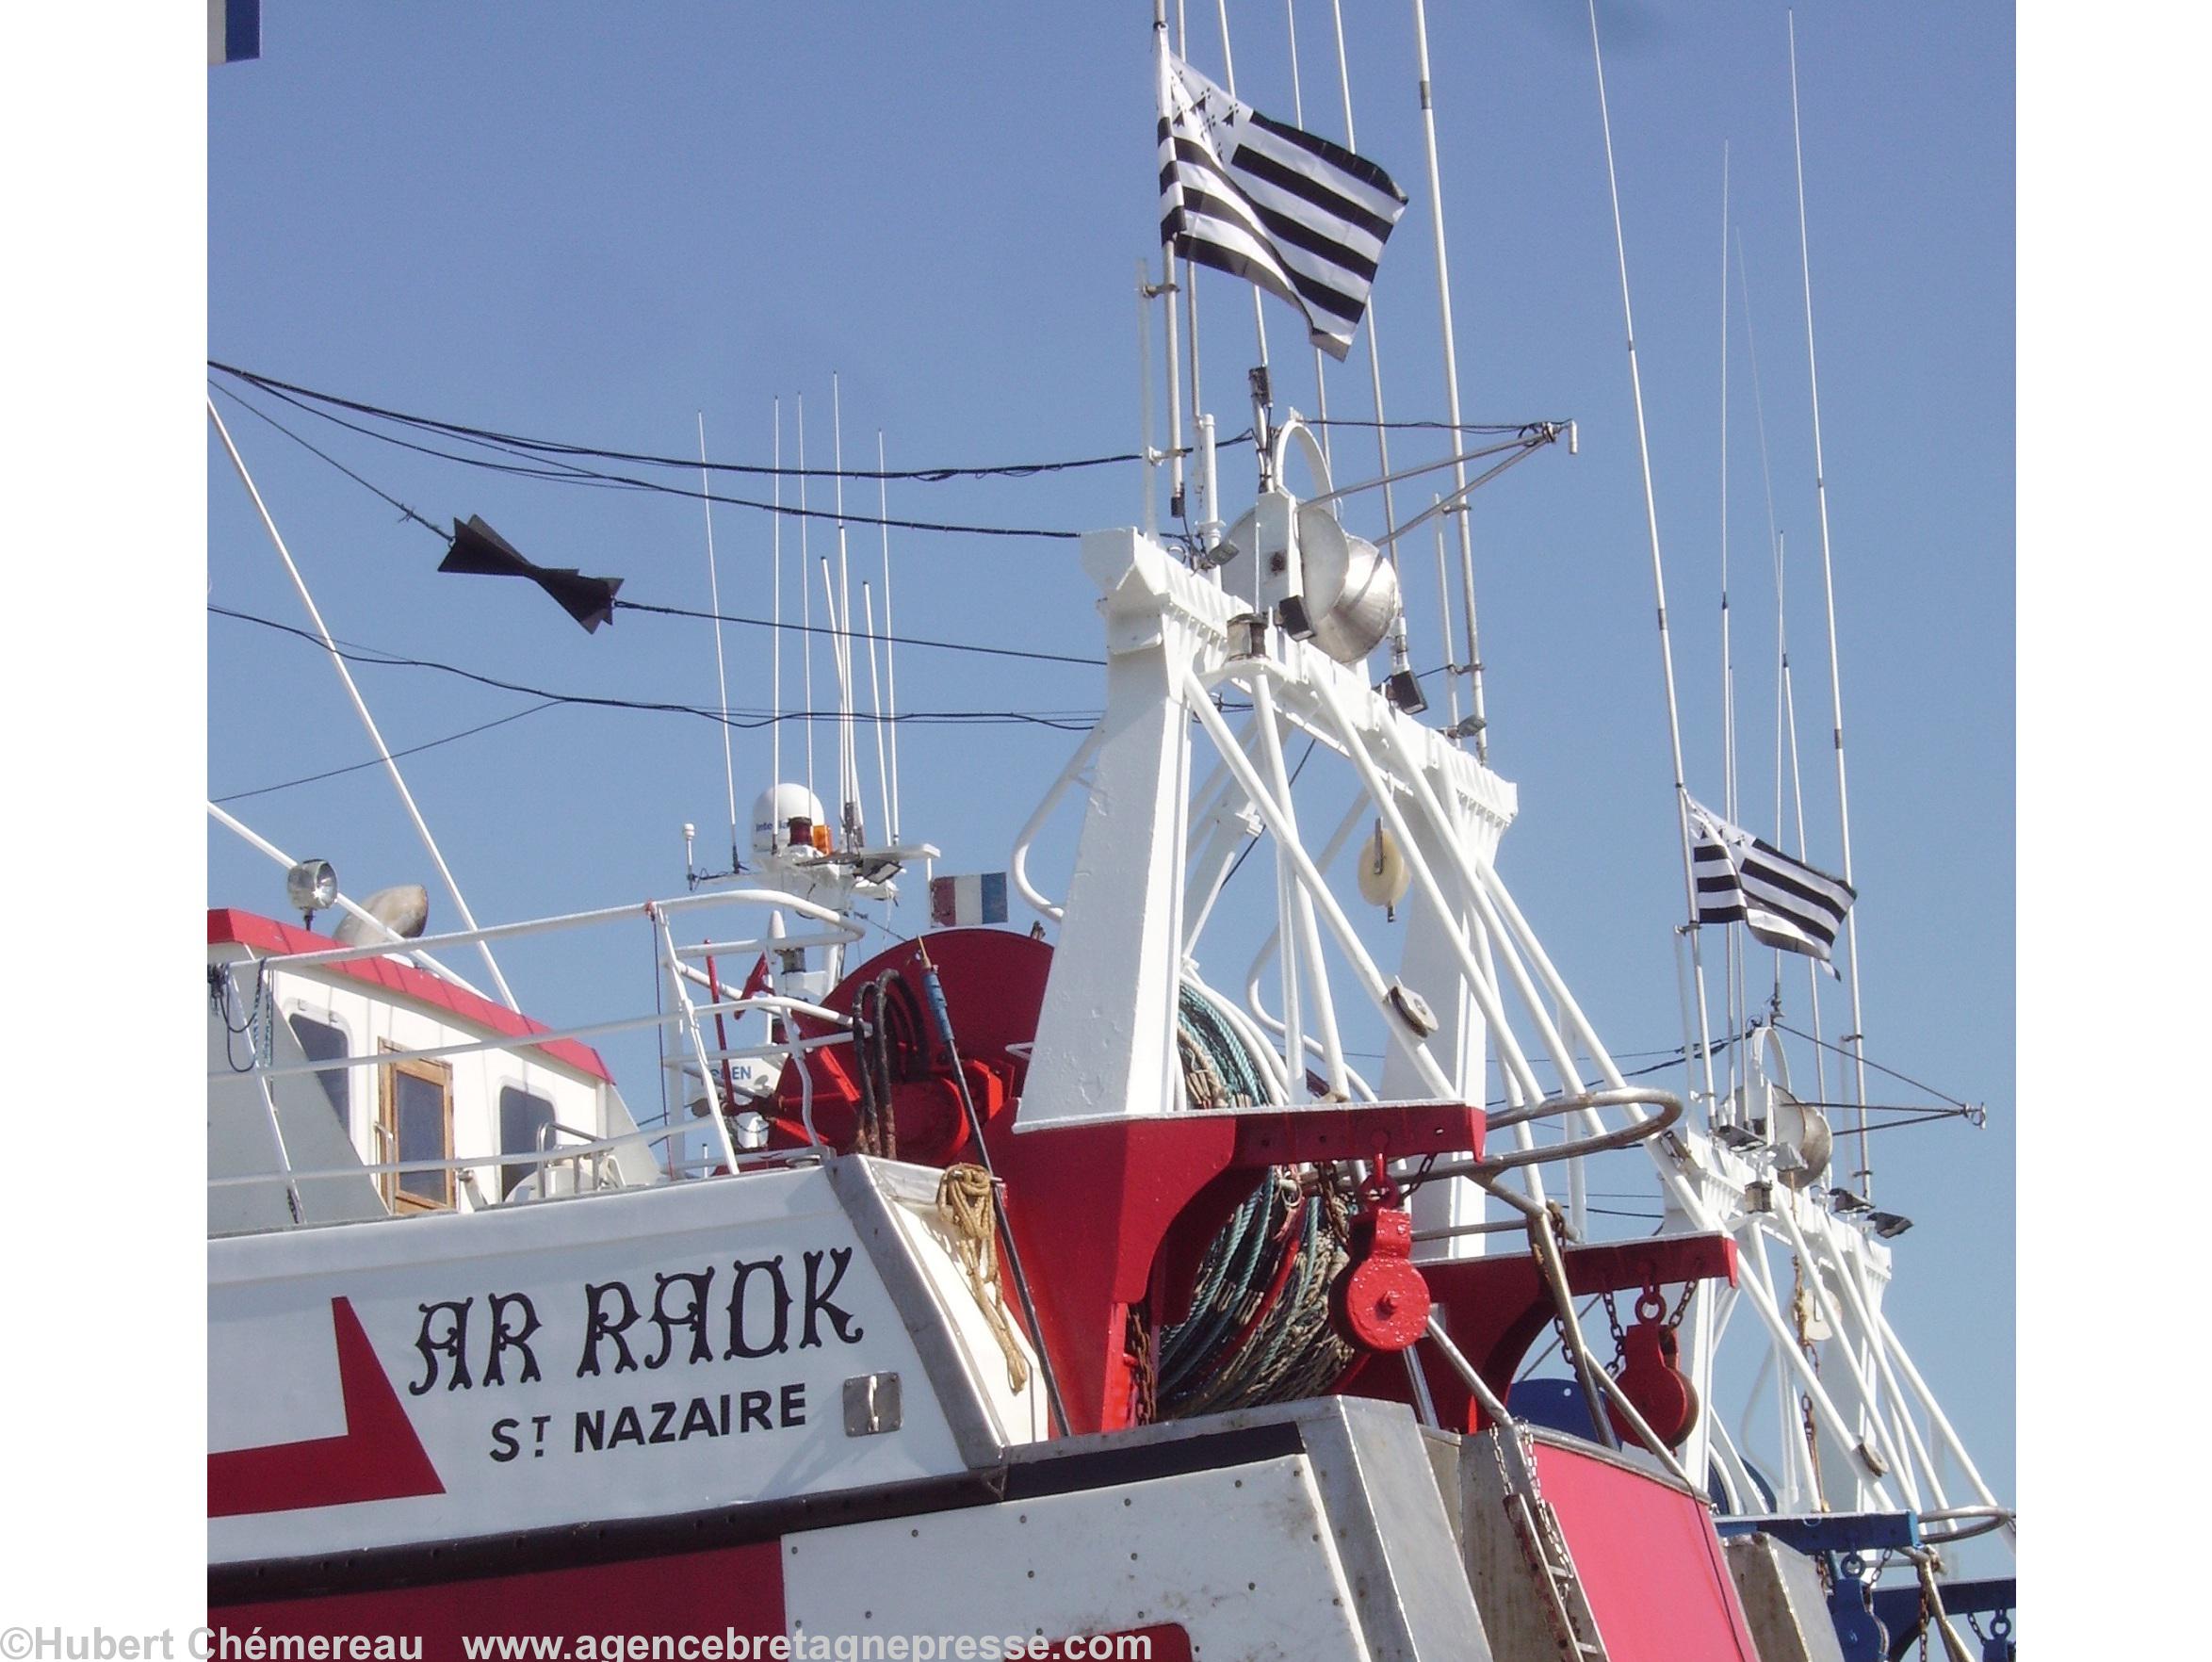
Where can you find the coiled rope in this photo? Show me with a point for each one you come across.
(1258, 1329)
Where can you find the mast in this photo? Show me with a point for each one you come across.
(1476, 719)
(1701, 1044)
(722, 685)
(1856, 1039)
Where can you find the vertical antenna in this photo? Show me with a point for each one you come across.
(1401, 657)
(890, 646)
(1785, 694)
(841, 665)
(776, 633)
(1436, 207)
(1444, 607)
(806, 601)
(1732, 970)
(1856, 1039)
(359, 706)
(722, 685)
(1166, 289)
(1190, 291)
(875, 705)
(1229, 64)
(848, 739)
(1681, 797)
(1336, 505)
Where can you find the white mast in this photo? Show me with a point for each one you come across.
(422, 828)
(722, 686)
(1733, 968)
(1435, 207)
(890, 646)
(776, 633)
(1856, 1039)
(1229, 65)
(806, 601)
(848, 739)
(1401, 656)
(1701, 1042)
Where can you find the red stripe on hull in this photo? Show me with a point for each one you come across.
(378, 1457)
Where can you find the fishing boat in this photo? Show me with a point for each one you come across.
(1107, 1255)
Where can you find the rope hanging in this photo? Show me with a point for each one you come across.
(969, 1207)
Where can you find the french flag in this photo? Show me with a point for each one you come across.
(967, 902)
(234, 30)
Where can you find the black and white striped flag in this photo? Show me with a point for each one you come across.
(1743, 879)
(1301, 217)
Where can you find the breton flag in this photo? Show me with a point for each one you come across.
(1742, 878)
(234, 30)
(1302, 218)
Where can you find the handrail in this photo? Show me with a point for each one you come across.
(1640, 1129)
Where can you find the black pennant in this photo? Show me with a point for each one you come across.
(479, 549)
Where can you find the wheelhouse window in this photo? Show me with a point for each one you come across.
(324, 1042)
(415, 1116)
(522, 1115)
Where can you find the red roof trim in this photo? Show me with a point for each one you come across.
(228, 926)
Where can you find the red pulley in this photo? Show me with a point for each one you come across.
(1382, 1302)
(1652, 1377)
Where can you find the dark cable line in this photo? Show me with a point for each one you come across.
(253, 410)
(1902, 1078)
(860, 634)
(1065, 722)
(377, 761)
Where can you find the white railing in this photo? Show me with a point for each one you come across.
(588, 1158)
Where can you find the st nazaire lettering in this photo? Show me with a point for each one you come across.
(689, 1317)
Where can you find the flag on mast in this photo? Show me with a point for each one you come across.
(1304, 218)
(1744, 879)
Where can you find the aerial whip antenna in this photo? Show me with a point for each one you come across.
(1856, 1039)
(1701, 1047)
(722, 684)
(359, 706)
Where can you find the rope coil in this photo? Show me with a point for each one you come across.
(969, 1204)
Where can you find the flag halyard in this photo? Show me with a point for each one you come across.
(1744, 879)
(1303, 217)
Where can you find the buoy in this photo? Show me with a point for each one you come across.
(1383, 876)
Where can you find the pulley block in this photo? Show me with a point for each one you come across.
(1382, 1301)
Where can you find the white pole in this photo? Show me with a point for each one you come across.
(1150, 488)
(875, 709)
(1229, 65)
(1401, 656)
(1856, 1039)
(1682, 798)
(1732, 970)
(1320, 362)
(775, 635)
(359, 706)
(891, 646)
(1445, 610)
(1166, 289)
(722, 685)
(848, 734)
(1435, 205)
(806, 601)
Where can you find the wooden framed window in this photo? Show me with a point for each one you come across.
(414, 1116)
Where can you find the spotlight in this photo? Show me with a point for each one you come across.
(1742, 1138)
(1843, 1200)
(311, 886)
(1404, 691)
(1888, 1225)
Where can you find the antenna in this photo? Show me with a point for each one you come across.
(359, 706)
(1701, 1043)
(1320, 360)
(805, 598)
(1401, 656)
(1856, 1039)
(776, 633)
(722, 684)
(1475, 717)
(1732, 970)
(875, 704)
(848, 739)
(890, 635)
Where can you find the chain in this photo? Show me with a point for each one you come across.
(1620, 1339)
(1143, 1387)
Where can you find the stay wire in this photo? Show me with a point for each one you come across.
(1067, 721)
